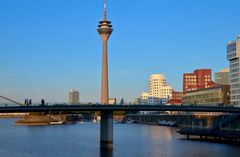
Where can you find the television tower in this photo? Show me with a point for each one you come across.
(104, 30)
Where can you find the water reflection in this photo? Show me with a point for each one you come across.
(106, 153)
(82, 140)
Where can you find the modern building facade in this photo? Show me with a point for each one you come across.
(112, 101)
(233, 54)
(73, 97)
(144, 98)
(201, 78)
(177, 95)
(217, 95)
(159, 91)
(176, 98)
(159, 88)
(222, 77)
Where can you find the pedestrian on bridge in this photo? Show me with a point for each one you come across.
(42, 102)
(26, 102)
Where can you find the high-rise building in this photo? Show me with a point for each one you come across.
(73, 97)
(222, 77)
(199, 79)
(159, 88)
(233, 54)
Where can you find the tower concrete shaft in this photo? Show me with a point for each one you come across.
(104, 88)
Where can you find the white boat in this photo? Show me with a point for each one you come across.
(56, 123)
(167, 123)
(130, 121)
(163, 123)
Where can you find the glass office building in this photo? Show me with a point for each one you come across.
(233, 54)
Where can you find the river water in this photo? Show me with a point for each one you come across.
(82, 140)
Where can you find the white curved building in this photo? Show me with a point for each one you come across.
(159, 91)
(159, 88)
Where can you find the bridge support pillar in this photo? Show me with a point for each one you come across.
(106, 130)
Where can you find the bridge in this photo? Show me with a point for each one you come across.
(106, 125)
(111, 108)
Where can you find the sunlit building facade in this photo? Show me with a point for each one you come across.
(176, 98)
(73, 97)
(159, 91)
(201, 78)
(222, 77)
(158, 88)
(214, 96)
(144, 98)
(112, 101)
(233, 54)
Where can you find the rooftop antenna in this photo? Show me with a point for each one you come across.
(105, 10)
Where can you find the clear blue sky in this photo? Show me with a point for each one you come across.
(48, 47)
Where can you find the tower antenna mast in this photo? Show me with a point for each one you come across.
(105, 10)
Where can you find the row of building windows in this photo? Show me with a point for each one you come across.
(234, 70)
(235, 91)
(160, 89)
(191, 84)
(203, 96)
(235, 75)
(204, 101)
(235, 97)
(191, 89)
(190, 76)
(194, 77)
(157, 85)
(234, 80)
(206, 79)
(232, 55)
(162, 96)
(234, 64)
(191, 80)
(231, 47)
(235, 85)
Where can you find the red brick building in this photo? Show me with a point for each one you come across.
(176, 98)
(177, 95)
(201, 78)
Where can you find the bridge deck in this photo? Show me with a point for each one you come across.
(117, 108)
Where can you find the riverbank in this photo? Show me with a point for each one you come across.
(40, 120)
(178, 119)
(13, 115)
(222, 127)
